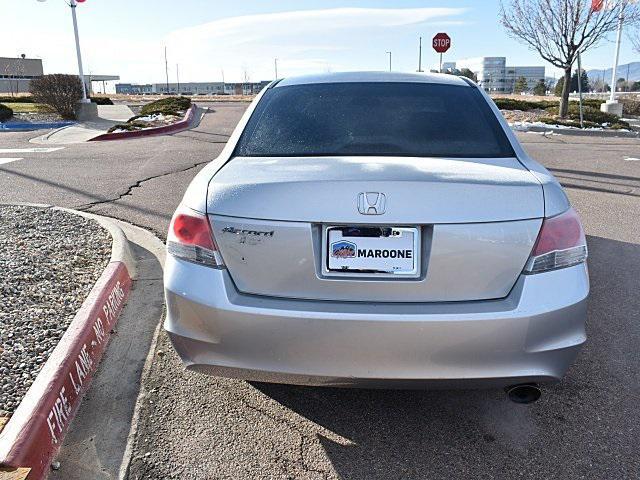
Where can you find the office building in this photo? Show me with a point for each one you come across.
(495, 76)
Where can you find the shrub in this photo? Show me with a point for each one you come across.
(568, 122)
(128, 126)
(589, 114)
(630, 106)
(61, 92)
(167, 106)
(524, 105)
(5, 113)
(136, 117)
(101, 100)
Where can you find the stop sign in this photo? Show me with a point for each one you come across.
(441, 42)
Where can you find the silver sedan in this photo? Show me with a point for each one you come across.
(376, 229)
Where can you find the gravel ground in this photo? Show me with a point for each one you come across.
(49, 261)
(35, 117)
(528, 116)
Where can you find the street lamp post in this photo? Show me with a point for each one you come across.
(73, 4)
(389, 60)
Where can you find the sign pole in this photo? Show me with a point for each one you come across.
(73, 6)
(441, 43)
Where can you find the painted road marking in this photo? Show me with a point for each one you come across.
(8, 160)
(632, 159)
(30, 150)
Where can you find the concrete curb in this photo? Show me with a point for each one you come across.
(45, 138)
(183, 124)
(35, 432)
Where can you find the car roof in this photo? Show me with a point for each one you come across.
(395, 77)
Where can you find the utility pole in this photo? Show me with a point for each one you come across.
(389, 60)
(275, 64)
(627, 79)
(178, 78)
(73, 6)
(580, 90)
(166, 68)
(420, 56)
(223, 89)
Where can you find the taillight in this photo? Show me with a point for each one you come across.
(190, 238)
(561, 243)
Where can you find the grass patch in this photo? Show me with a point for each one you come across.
(30, 108)
(16, 99)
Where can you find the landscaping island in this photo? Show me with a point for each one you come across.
(519, 112)
(159, 113)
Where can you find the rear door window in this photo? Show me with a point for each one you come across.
(374, 118)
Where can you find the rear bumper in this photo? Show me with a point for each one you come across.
(533, 334)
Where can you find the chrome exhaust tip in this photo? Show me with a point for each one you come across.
(524, 393)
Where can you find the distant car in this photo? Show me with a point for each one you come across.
(376, 229)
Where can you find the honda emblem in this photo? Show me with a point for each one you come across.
(371, 203)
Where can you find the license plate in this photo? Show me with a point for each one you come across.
(373, 250)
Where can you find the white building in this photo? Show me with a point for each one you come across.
(17, 73)
(496, 77)
(210, 88)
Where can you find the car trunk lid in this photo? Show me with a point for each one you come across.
(477, 221)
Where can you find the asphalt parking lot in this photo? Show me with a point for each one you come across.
(193, 426)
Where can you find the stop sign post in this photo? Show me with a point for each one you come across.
(441, 43)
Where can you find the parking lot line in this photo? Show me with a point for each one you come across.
(8, 160)
(30, 150)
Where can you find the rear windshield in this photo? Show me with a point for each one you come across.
(402, 119)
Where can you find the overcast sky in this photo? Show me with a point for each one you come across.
(127, 37)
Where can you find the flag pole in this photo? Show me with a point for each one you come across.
(612, 98)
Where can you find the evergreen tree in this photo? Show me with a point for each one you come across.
(558, 88)
(465, 72)
(520, 85)
(540, 88)
(584, 81)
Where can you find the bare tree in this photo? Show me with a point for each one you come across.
(558, 29)
(635, 39)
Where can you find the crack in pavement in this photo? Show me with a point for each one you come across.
(86, 206)
(292, 426)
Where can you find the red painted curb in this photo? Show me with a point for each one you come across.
(183, 124)
(34, 433)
